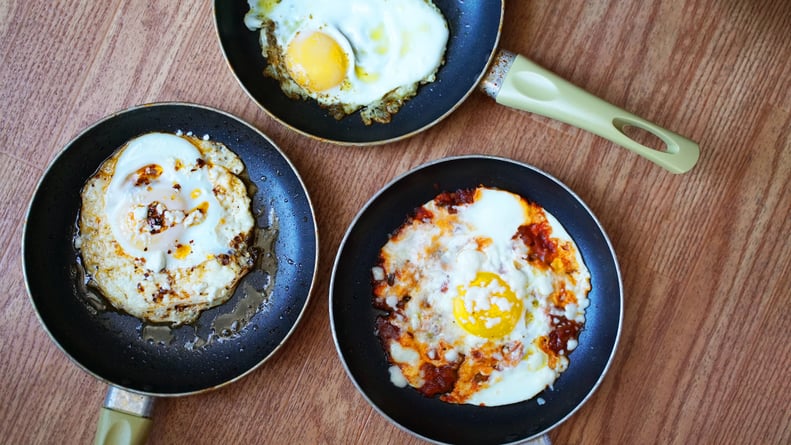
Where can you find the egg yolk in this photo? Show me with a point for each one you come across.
(316, 62)
(487, 307)
(182, 250)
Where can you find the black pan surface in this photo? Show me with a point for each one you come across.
(352, 315)
(111, 345)
(474, 33)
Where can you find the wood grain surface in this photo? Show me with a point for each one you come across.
(704, 355)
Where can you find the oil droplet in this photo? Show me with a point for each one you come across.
(152, 333)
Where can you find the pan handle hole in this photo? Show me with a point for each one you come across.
(643, 136)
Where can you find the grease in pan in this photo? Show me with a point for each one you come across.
(485, 296)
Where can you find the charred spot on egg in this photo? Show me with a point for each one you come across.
(483, 296)
(165, 227)
(352, 55)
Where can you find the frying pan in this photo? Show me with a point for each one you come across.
(109, 344)
(353, 317)
(471, 59)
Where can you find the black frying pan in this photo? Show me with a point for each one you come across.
(475, 31)
(109, 344)
(512, 80)
(353, 317)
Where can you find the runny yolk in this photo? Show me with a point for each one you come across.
(487, 307)
(316, 61)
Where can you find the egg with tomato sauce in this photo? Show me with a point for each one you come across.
(165, 227)
(483, 296)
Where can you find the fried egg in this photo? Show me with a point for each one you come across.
(351, 54)
(165, 227)
(484, 295)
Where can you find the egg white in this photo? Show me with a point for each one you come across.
(165, 226)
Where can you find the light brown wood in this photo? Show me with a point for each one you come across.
(706, 256)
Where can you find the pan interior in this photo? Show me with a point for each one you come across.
(109, 344)
(474, 34)
(353, 317)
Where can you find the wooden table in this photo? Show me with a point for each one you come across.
(704, 354)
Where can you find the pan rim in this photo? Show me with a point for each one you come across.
(450, 159)
(475, 85)
(116, 115)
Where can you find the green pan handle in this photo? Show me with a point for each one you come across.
(125, 418)
(522, 84)
(119, 428)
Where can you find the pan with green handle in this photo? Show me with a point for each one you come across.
(353, 315)
(472, 61)
(116, 347)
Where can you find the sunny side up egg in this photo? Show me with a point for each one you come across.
(351, 54)
(484, 295)
(165, 227)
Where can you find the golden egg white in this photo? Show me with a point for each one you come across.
(165, 227)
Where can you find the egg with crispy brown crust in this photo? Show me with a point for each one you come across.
(165, 227)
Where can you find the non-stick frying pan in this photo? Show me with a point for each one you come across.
(471, 60)
(353, 316)
(111, 345)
